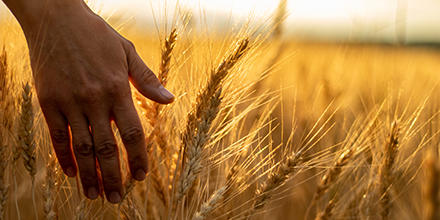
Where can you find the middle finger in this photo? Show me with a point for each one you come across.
(106, 150)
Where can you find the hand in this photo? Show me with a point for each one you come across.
(82, 69)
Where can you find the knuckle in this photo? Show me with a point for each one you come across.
(107, 150)
(129, 44)
(119, 87)
(83, 148)
(46, 101)
(60, 137)
(133, 135)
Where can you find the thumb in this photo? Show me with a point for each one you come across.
(144, 79)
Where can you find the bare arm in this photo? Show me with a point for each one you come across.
(82, 69)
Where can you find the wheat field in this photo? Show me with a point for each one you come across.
(263, 127)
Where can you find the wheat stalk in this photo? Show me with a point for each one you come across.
(283, 171)
(49, 186)
(386, 169)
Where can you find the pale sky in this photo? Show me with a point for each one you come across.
(371, 20)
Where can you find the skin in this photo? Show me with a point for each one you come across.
(82, 68)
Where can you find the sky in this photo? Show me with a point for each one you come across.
(410, 21)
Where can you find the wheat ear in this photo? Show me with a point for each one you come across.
(28, 144)
(328, 211)
(49, 187)
(333, 173)
(211, 204)
(432, 202)
(164, 68)
(157, 122)
(7, 107)
(283, 171)
(7, 96)
(386, 169)
(197, 132)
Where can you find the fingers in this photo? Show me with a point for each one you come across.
(106, 150)
(144, 79)
(60, 135)
(133, 137)
(85, 155)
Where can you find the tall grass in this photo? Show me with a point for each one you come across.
(335, 131)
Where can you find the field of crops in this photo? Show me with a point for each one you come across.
(263, 127)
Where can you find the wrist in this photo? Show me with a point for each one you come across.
(31, 14)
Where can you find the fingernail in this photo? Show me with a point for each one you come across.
(140, 175)
(114, 197)
(165, 93)
(92, 193)
(70, 172)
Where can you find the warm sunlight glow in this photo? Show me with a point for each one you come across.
(364, 20)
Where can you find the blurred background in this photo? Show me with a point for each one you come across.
(380, 21)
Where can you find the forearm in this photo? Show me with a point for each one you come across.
(32, 13)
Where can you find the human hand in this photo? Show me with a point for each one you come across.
(82, 69)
